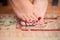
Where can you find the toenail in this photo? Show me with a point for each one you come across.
(22, 23)
(33, 21)
(37, 21)
(30, 22)
(39, 18)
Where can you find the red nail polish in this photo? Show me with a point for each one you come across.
(37, 21)
(45, 23)
(25, 21)
(39, 18)
(30, 22)
(33, 21)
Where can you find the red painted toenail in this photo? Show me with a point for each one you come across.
(37, 21)
(25, 21)
(30, 22)
(33, 21)
(39, 18)
(29, 19)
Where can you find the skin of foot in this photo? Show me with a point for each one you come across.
(29, 12)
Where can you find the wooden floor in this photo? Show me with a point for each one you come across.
(6, 9)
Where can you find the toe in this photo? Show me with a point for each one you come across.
(22, 23)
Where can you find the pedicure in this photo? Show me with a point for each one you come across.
(36, 20)
(30, 22)
(39, 18)
(26, 23)
(33, 21)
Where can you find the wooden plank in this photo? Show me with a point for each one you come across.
(50, 9)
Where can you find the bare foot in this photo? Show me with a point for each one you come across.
(28, 12)
(41, 7)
